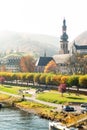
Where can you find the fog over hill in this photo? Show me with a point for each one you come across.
(30, 43)
(81, 39)
(35, 44)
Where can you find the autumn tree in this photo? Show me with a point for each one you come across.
(64, 79)
(50, 67)
(2, 79)
(56, 79)
(3, 68)
(27, 63)
(62, 88)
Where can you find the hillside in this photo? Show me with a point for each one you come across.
(35, 44)
(30, 43)
(82, 39)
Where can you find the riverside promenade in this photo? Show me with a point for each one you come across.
(58, 107)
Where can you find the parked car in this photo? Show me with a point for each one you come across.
(68, 108)
(84, 105)
(83, 110)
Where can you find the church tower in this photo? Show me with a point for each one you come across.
(64, 40)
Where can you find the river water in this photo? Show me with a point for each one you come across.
(15, 119)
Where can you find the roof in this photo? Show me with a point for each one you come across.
(79, 47)
(11, 55)
(43, 61)
(62, 58)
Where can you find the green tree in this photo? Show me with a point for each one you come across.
(37, 78)
(83, 81)
(49, 79)
(43, 78)
(73, 81)
(30, 77)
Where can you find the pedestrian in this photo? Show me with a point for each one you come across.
(62, 107)
(23, 97)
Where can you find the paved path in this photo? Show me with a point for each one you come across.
(57, 106)
(34, 100)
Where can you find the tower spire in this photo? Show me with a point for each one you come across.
(64, 36)
(64, 27)
(64, 39)
(45, 53)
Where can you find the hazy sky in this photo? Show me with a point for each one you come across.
(44, 16)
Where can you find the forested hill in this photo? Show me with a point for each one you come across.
(31, 43)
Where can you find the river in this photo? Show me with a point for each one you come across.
(15, 119)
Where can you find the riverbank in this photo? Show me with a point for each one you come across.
(44, 111)
(66, 118)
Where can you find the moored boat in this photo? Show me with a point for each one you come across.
(59, 126)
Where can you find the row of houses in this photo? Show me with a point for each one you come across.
(11, 62)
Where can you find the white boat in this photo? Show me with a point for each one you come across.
(59, 126)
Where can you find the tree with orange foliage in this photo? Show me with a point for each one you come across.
(27, 64)
(50, 67)
(3, 68)
(64, 79)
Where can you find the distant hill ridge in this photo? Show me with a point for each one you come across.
(81, 39)
(31, 43)
(35, 44)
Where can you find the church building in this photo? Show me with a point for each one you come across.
(78, 49)
(65, 57)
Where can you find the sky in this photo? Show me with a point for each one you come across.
(44, 16)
